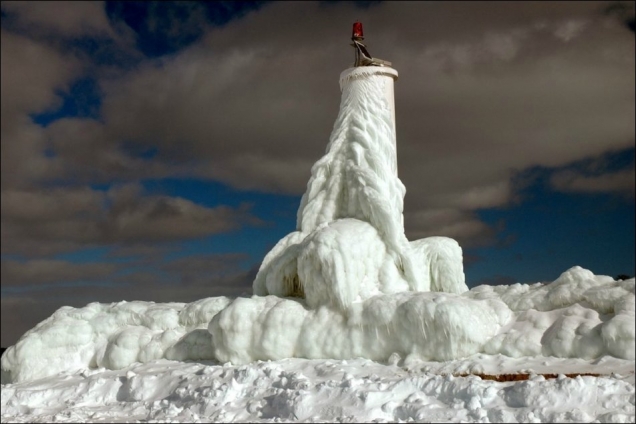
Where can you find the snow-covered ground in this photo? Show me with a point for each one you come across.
(331, 391)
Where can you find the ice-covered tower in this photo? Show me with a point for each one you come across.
(357, 177)
(350, 242)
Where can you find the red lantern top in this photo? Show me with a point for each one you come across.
(357, 30)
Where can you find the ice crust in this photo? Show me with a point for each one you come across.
(347, 283)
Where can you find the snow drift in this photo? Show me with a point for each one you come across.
(312, 390)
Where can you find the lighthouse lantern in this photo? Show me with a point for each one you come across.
(357, 30)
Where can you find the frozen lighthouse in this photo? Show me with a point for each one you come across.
(349, 243)
(347, 283)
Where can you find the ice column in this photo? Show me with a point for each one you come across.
(350, 241)
(357, 177)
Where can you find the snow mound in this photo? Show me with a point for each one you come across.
(597, 321)
(442, 257)
(112, 336)
(579, 315)
(577, 284)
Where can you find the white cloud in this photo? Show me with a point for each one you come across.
(572, 181)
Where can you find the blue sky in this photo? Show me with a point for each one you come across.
(158, 150)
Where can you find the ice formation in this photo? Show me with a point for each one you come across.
(112, 336)
(349, 243)
(347, 283)
(579, 315)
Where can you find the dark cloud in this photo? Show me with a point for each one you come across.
(175, 281)
(133, 218)
(47, 271)
(205, 265)
(45, 222)
(31, 75)
(609, 173)
(624, 11)
(82, 30)
(201, 275)
(463, 226)
(142, 253)
(86, 152)
(255, 111)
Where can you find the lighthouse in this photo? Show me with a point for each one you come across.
(349, 241)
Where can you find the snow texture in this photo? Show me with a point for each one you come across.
(301, 390)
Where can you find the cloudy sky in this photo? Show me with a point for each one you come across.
(156, 151)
